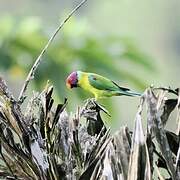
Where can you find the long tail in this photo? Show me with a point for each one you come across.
(128, 93)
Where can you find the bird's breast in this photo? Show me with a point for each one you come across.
(84, 82)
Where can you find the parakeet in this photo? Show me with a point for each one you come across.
(96, 84)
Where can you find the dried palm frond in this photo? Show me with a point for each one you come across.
(44, 142)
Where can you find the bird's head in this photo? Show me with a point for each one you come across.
(72, 80)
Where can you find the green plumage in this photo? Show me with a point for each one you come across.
(105, 84)
(97, 85)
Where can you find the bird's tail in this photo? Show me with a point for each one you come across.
(128, 93)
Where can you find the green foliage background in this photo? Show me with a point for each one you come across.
(123, 41)
(75, 49)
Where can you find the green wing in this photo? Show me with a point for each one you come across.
(102, 83)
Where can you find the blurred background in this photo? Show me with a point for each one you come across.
(135, 44)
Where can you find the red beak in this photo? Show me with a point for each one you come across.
(68, 85)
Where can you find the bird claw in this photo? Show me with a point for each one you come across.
(92, 105)
(89, 110)
(102, 108)
(90, 100)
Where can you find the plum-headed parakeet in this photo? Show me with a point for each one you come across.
(97, 85)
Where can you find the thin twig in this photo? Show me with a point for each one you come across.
(178, 114)
(167, 89)
(38, 60)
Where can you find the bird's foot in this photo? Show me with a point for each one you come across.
(93, 106)
(102, 108)
(89, 110)
(90, 100)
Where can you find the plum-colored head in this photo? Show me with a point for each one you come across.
(72, 80)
